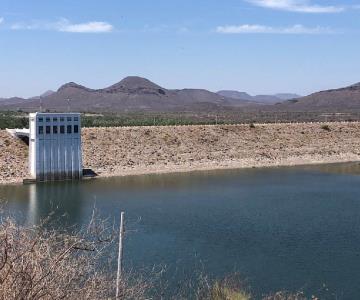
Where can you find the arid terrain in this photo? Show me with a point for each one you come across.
(13, 159)
(137, 94)
(141, 150)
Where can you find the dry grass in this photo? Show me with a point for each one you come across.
(36, 263)
(231, 287)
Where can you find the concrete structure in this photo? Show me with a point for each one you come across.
(22, 134)
(55, 146)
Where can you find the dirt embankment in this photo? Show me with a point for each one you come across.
(141, 150)
(13, 159)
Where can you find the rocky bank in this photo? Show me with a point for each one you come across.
(142, 150)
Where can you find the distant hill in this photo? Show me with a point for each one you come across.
(287, 96)
(130, 94)
(140, 94)
(45, 94)
(11, 101)
(235, 95)
(341, 99)
(261, 99)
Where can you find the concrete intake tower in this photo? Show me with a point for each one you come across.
(55, 146)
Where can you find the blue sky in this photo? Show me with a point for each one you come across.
(258, 46)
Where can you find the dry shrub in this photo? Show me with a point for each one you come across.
(232, 287)
(326, 127)
(221, 291)
(202, 288)
(36, 263)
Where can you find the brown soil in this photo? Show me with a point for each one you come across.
(141, 150)
(13, 159)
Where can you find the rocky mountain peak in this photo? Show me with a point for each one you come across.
(72, 85)
(133, 83)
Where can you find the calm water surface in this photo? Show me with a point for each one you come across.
(281, 228)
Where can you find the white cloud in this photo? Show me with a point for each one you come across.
(65, 25)
(89, 27)
(23, 26)
(301, 6)
(1, 20)
(252, 29)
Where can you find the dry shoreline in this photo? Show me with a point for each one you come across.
(238, 166)
(163, 149)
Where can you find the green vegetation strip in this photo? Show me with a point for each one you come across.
(20, 119)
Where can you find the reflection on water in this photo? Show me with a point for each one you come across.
(281, 228)
(347, 168)
(35, 202)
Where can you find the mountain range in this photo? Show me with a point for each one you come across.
(261, 99)
(342, 99)
(130, 94)
(139, 94)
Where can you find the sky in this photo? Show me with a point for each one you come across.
(256, 46)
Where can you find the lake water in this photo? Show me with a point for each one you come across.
(292, 228)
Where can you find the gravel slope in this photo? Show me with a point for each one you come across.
(13, 159)
(142, 150)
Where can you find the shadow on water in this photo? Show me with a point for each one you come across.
(33, 203)
(281, 228)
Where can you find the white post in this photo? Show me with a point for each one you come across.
(119, 269)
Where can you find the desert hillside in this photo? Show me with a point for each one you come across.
(342, 99)
(141, 150)
(130, 94)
